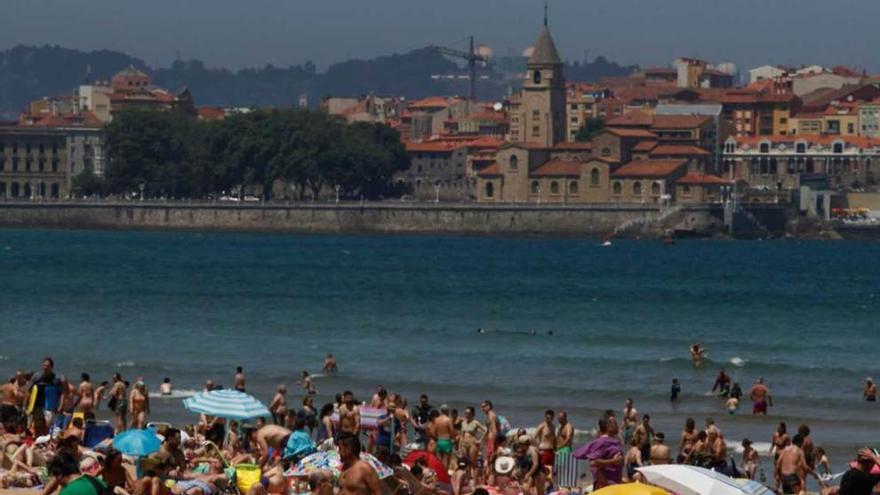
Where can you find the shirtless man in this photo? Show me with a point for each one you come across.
(660, 453)
(564, 434)
(278, 407)
(357, 477)
(545, 435)
(271, 436)
(349, 414)
(330, 364)
(760, 396)
(791, 468)
(717, 449)
(870, 391)
(238, 379)
(630, 421)
(87, 397)
(444, 432)
(643, 435)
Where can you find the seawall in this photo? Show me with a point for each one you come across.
(359, 218)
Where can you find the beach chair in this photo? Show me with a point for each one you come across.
(565, 470)
(97, 432)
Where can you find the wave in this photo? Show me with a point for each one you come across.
(738, 361)
(175, 394)
(763, 448)
(4, 358)
(126, 364)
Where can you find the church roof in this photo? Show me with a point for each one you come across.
(544, 50)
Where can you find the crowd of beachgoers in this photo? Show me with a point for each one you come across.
(97, 438)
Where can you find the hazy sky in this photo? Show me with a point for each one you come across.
(244, 33)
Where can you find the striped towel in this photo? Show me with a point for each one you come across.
(565, 470)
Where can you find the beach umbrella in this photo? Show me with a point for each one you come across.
(329, 461)
(694, 480)
(431, 461)
(631, 489)
(228, 404)
(137, 442)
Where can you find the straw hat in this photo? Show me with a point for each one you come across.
(504, 464)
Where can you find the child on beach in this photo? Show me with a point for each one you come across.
(823, 465)
(732, 405)
(750, 459)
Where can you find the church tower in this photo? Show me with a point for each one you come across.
(542, 101)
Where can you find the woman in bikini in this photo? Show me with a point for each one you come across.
(139, 405)
(472, 432)
(780, 441)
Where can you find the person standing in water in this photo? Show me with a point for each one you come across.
(238, 379)
(86, 397)
(674, 390)
(697, 354)
(760, 396)
(308, 384)
(165, 387)
(870, 392)
(330, 364)
(118, 402)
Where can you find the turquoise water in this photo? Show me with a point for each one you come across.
(403, 312)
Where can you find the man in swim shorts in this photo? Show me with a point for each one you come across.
(791, 468)
(564, 434)
(545, 435)
(760, 396)
(445, 431)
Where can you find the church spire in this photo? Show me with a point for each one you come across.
(545, 13)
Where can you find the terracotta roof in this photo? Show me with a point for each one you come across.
(574, 146)
(487, 116)
(648, 168)
(702, 180)
(211, 113)
(83, 119)
(491, 171)
(679, 121)
(631, 133)
(678, 150)
(487, 142)
(526, 145)
(636, 118)
(430, 102)
(431, 146)
(557, 168)
(645, 146)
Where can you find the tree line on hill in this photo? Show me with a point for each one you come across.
(28, 73)
(168, 155)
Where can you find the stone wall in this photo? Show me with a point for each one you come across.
(356, 218)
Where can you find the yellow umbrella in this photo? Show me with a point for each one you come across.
(631, 489)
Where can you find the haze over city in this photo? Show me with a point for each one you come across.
(236, 34)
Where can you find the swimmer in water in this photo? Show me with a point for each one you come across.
(165, 387)
(697, 354)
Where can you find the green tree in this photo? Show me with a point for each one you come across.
(590, 128)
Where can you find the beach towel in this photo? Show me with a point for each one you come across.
(602, 448)
(298, 445)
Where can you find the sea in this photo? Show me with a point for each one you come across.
(529, 323)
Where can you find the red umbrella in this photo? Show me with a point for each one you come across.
(432, 461)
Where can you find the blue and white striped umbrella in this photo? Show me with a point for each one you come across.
(229, 404)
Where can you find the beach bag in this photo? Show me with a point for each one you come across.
(246, 476)
(503, 426)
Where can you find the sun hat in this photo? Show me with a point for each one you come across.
(504, 464)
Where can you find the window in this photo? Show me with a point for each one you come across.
(514, 163)
(838, 147)
(573, 187)
(536, 187)
(536, 114)
(765, 147)
(490, 190)
(686, 190)
(536, 131)
(867, 165)
(15, 190)
(800, 147)
(554, 187)
(606, 152)
(27, 164)
(54, 164)
(536, 77)
(765, 166)
(54, 190)
(655, 189)
(594, 177)
(574, 107)
(2, 189)
(637, 188)
(616, 188)
(850, 128)
(773, 166)
(790, 169)
(2, 163)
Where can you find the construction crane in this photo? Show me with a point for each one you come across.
(472, 57)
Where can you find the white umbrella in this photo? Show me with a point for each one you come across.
(229, 404)
(693, 480)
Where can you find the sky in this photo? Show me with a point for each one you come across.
(253, 33)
